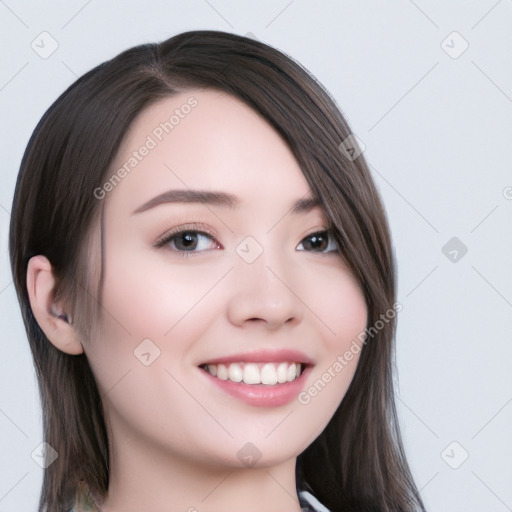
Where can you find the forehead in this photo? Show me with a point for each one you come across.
(208, 140)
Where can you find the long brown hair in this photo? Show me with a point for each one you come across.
(358, 462)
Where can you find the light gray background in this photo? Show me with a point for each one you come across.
(437, 129)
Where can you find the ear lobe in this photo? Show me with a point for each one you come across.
(52, 319)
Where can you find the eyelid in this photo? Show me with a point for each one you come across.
(317, 230)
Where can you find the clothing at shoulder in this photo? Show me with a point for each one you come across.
(85, 503)
(309, 503)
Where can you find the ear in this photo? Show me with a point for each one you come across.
(54, 322)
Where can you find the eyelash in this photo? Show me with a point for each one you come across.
(197, 229)
(200, 230)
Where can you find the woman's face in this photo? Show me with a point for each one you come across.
(210, 259)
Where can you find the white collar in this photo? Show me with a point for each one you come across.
(313, 502)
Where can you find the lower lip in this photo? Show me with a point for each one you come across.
(262, 395)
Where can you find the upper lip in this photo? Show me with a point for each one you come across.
(263, 356)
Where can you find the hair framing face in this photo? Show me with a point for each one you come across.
(358, 461)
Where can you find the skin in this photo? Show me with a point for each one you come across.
(174, 436)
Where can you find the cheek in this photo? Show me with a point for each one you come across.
(151, 298)
(349, 315)
(151, 314)
(342, 311)
(345, 311)
(151, 307)
(338, 303)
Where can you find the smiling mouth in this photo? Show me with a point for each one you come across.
(270, 374)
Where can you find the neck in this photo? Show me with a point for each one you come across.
(145, 478)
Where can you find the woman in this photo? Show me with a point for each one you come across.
(208, 288)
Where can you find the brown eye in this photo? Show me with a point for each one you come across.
(188, 241)
(319, 242)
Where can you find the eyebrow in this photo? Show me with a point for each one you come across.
(223, 199)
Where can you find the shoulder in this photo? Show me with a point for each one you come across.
(309, 503)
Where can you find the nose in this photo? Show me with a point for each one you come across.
(263, 293)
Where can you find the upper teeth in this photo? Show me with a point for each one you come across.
(256, 373)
